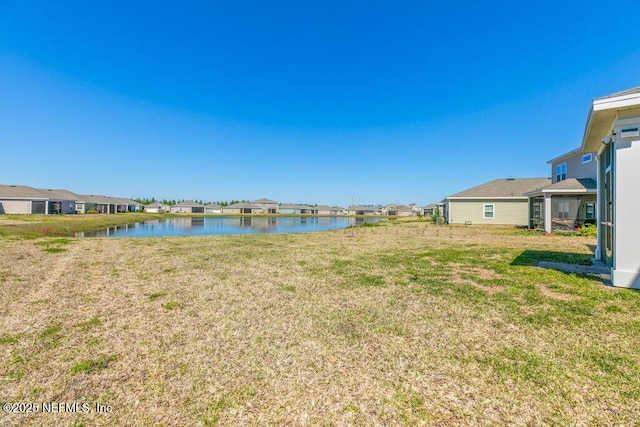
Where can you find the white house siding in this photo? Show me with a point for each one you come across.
(510, 211)
(15, 206)
(626, 269)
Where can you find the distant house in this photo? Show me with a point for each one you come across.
(360, 210)
(431, 209)
(570, 200)
(398, 210)
(99, 204)
(612, 131)
(157, 208)
(21, 199)
(188, 206)
(212, 208)
(268, 206)
(243, 208)
(132, 205)
(329, 210)
(63, 200)
(501, 201)
(289, 209)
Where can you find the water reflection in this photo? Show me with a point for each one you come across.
(227, 225)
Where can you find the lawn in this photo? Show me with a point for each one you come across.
(397, 324)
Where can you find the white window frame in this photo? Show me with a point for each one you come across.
(586, 158)
(562, 175)
(484, 211)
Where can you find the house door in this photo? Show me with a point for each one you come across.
(607, 210)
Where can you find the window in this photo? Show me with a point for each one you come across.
(563, 210)
(586, 158)
(590, 211)
(488, 211)
(561, 172)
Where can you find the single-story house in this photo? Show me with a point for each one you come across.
(398, 210)
(188, 206)
(100, 204)
(64, 201)
(243, 208)
(132, 205)
(360, 210)
(570, 200)
(297, 209)
(431, 209)
(290, 209)
(329, 210)
(157, 208)
(501, 201)
(212, 208)
(268, 206)
(22, 199)
(612, 131)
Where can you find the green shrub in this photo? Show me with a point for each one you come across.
(92, 211)
(588, 230)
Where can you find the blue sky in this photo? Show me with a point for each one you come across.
(315, 102)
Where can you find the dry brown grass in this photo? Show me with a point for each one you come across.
(400, 324)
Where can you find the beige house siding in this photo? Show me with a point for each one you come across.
(230, 210)
(575, 167)
(15, 206)
(510, 211)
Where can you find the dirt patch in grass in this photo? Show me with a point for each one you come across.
(550, 293)
(401, 324)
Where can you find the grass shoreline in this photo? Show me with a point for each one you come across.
(36, 226)
(400, 324)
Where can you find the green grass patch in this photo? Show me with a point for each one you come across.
(157, 295)
(89, 366)
(8, 339)
(94, 321)
(51, 331)
(172, 305)
(227, 401)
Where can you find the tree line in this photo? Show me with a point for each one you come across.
(147, 201)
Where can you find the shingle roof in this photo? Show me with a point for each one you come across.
(584, 184)
(621, 93)
(189, 204)
(156, 205)
(61, 194)
(101, 200)
(131, 202)
(21, 192)
(511, 187)
(328, 208)
(212, 206)
(265, 201)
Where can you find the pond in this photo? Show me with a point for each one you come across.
(199, 226)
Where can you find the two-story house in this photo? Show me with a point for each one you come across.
(570, 200)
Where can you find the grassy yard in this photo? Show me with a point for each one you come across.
(396, 324)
